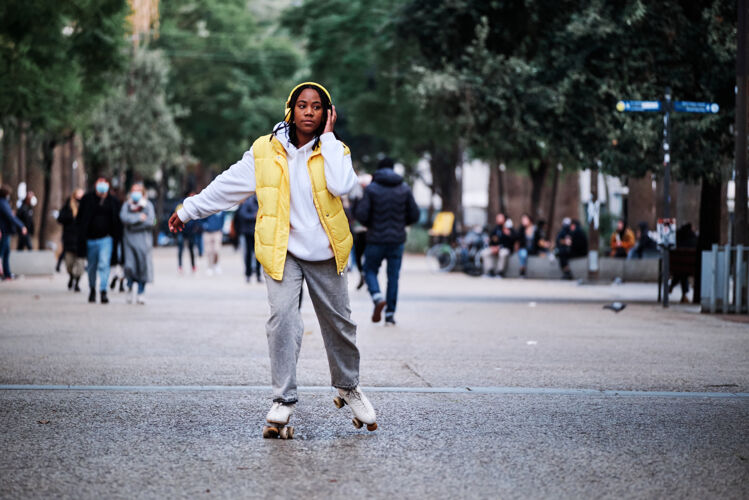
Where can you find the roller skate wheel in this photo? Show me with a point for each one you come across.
(270, 432)
(286, 433)
(339, 402)
(357, 423)
(372, 427)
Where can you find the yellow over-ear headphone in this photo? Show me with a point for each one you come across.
(287, 112)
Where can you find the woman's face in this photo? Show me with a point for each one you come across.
(308, 112)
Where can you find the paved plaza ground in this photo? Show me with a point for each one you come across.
(486, 388)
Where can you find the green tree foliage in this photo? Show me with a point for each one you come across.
(56, 58)
(532, 83)
(228, 74)
(133, 129)
(353, 49)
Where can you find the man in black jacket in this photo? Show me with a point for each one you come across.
(386, 208)
(99, 230)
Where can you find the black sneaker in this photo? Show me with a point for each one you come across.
(76, 287)
(104, 299)
(92, 296)
(70, 283)
(377, 313)
(389, 321)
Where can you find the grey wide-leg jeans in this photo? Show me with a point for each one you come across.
(329, 293)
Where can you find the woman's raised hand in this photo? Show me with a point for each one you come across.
(332, 117)
(175, 224)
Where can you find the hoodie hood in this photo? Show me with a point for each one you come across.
(282, 134)
(387, 177)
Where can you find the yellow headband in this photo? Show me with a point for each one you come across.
(287, 112)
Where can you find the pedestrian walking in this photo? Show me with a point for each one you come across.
(138, 216)
(66, 217)
(245, 224)
(386, 208)
(117, 262)
(686, 239)
(358, 230)
(188, 236)
(25, 214)
(299, 173)
(213, 235)
(99, 228)
(9, 225)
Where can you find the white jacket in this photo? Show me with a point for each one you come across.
(307, 238)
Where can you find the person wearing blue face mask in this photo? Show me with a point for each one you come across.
(99, 229)
(137, 215)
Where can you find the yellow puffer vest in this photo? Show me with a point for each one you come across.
(273, 197)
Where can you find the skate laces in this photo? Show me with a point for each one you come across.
(355, 394)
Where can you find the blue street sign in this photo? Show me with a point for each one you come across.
(638, 106)
(696, 107)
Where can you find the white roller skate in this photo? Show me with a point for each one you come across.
(363, 411)
(278, 417)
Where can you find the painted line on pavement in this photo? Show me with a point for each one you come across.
(413, 390)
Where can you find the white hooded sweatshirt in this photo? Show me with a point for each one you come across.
(307, 238)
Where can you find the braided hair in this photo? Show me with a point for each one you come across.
(289, 124)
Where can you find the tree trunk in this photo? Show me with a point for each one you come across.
(48, 157)
(593, 228)
(163, 183)
(501, 186)
(493, 207)
(709, 227)
(443, 165)
(538, 177)
(741, 222)
(6, 176)
(22, 153)
(553, 202)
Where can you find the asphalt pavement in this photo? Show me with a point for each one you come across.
(486, 388)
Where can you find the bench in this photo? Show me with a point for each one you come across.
(33, 262)
(609, 268)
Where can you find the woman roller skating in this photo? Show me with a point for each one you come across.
(298, 172)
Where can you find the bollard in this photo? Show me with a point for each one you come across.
(725, 306)
(739, 280)
(714, 274)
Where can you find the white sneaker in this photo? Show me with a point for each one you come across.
(131, 296)
(217, 269)
(363, 410)
(140, 298)
(280, 413)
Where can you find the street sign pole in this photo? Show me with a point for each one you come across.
(666, 189)
(666, 108)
